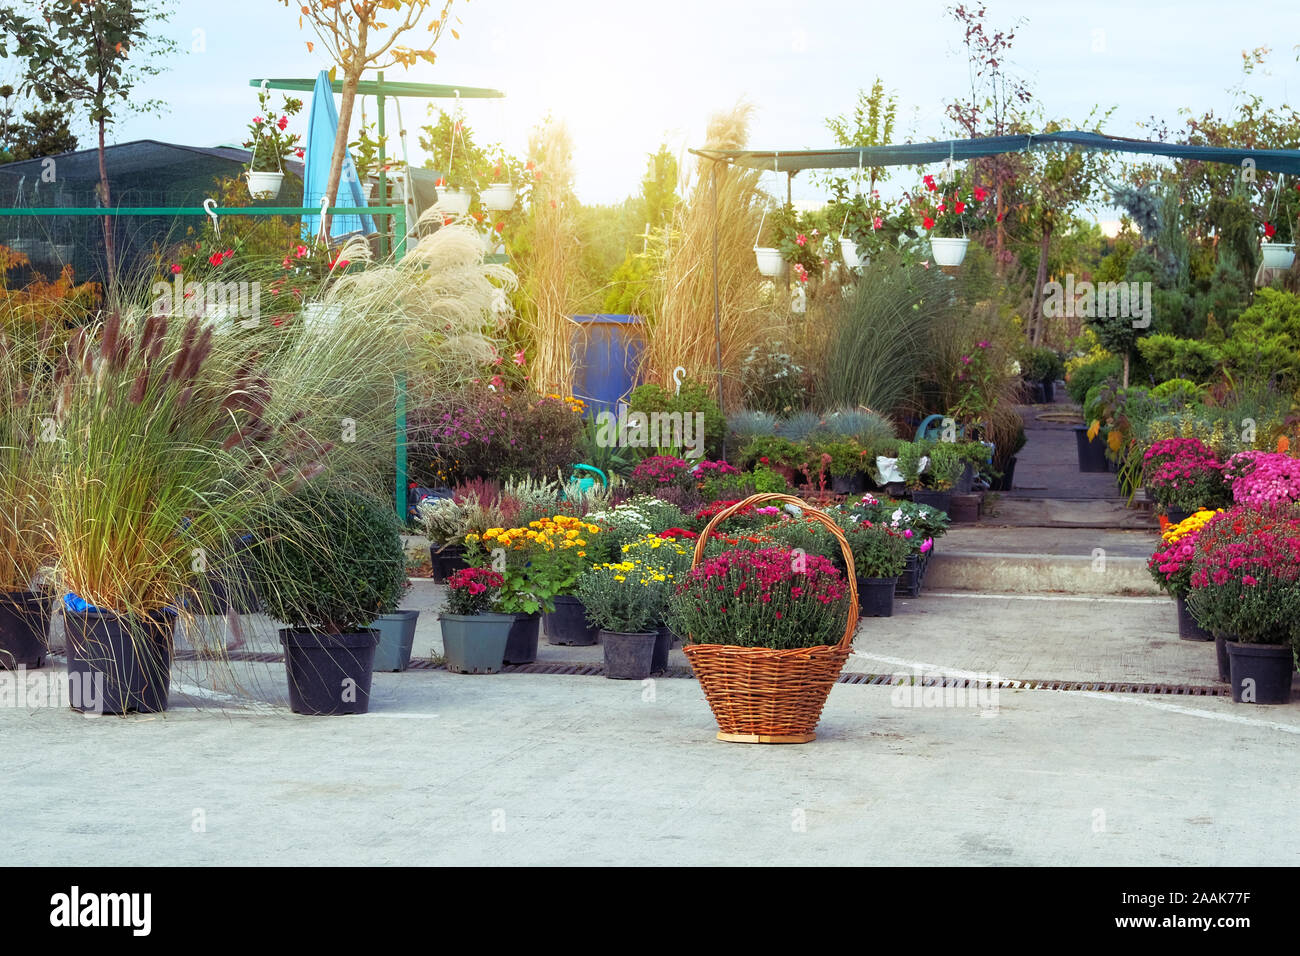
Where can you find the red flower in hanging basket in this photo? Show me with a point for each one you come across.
(927, 223)
(959, 208)
(929, 183)
(500, 227)
(1269, 230)
(980, 194)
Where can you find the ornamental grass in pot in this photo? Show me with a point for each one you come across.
(1172, 565)
(767, 631)
(1246, 588)
(625, 602)
(327, 560)
(24, 547)
(475, 628)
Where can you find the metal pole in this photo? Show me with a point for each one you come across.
(717, 319)
(383, 180)
(399, 424)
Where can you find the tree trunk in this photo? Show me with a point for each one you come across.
(106, 199)
(998, 264)
(1128, 354)
(1036, 312)
(346, 101)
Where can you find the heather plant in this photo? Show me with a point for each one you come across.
(1246, 581)
(760, 598)
(1261, 479)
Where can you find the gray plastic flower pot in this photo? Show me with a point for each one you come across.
(475, 643)
(396, 638)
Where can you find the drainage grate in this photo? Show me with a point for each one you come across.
(569, 669)
(1107, 687)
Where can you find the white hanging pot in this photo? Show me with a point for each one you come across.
(370, 189)
(1278, 255)
(849, 250)
(770, 262)
(948, 252)
(498, 197)
(264, 185)
(454, 202)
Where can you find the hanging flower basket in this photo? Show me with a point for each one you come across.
(849, 250)
(1278, 255)
(763, 695)
(454, 201)
(770, 262)
(498, 197)
(264, 185)
(948, 252)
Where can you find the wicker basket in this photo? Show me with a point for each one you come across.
(761, 695)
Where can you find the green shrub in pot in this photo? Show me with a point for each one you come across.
(327, 562)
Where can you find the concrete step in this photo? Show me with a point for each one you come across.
(1009, 572)
(1033, 512)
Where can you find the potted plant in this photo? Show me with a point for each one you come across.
(271, 145)
(670, 551)
(543, 562)
(918, 524)
(625, 602)
(846, 462)
(1184, 476)
(930, 469)
(1172, 565)
(24, 548)
(499, 196)
(1246, 587)
(158, 449)
(327, 562)
(1277, 247)
(766, 631)
(365, 157)
(879, 555)
(474, 628)
(775, 452)
(446, 522)
(951, 208)
(396, 635)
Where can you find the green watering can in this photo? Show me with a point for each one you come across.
(585, 482)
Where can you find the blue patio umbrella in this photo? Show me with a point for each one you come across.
(322, 127)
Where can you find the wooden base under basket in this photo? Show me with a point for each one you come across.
(767, 738)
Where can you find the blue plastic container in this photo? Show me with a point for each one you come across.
(606, 354)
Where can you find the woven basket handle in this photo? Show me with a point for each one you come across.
(851, 625)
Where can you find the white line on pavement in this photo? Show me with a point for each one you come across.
(1048, 597)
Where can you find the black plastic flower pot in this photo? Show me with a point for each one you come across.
(24, 619)
(329, 674)
(521, 645)
(1221, 653)
(628, 656)
(1092, 454)
(117, 664)
(1260, 673)
(876, 597)
(663, 645)
(853, 484)
(1037, 393)
(967, 480)
(396, 639)
(1049, 392)
(475, 643)
(965, 509)
(939, 500)
(1177, 515)
(567, 624)
(1005, 481)
(446, 561)
(1188, 629)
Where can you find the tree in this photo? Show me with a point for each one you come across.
(82, 52)
(40, 132)
(997, 98)
(361, 35)
(1060, 181)
(872, 124)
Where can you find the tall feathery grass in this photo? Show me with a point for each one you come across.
(683, 329)
(24, 390)
(883, 344)
(550, 260)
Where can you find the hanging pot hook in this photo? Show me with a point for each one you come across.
(210, 207)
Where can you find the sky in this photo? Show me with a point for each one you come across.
(627, 76)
